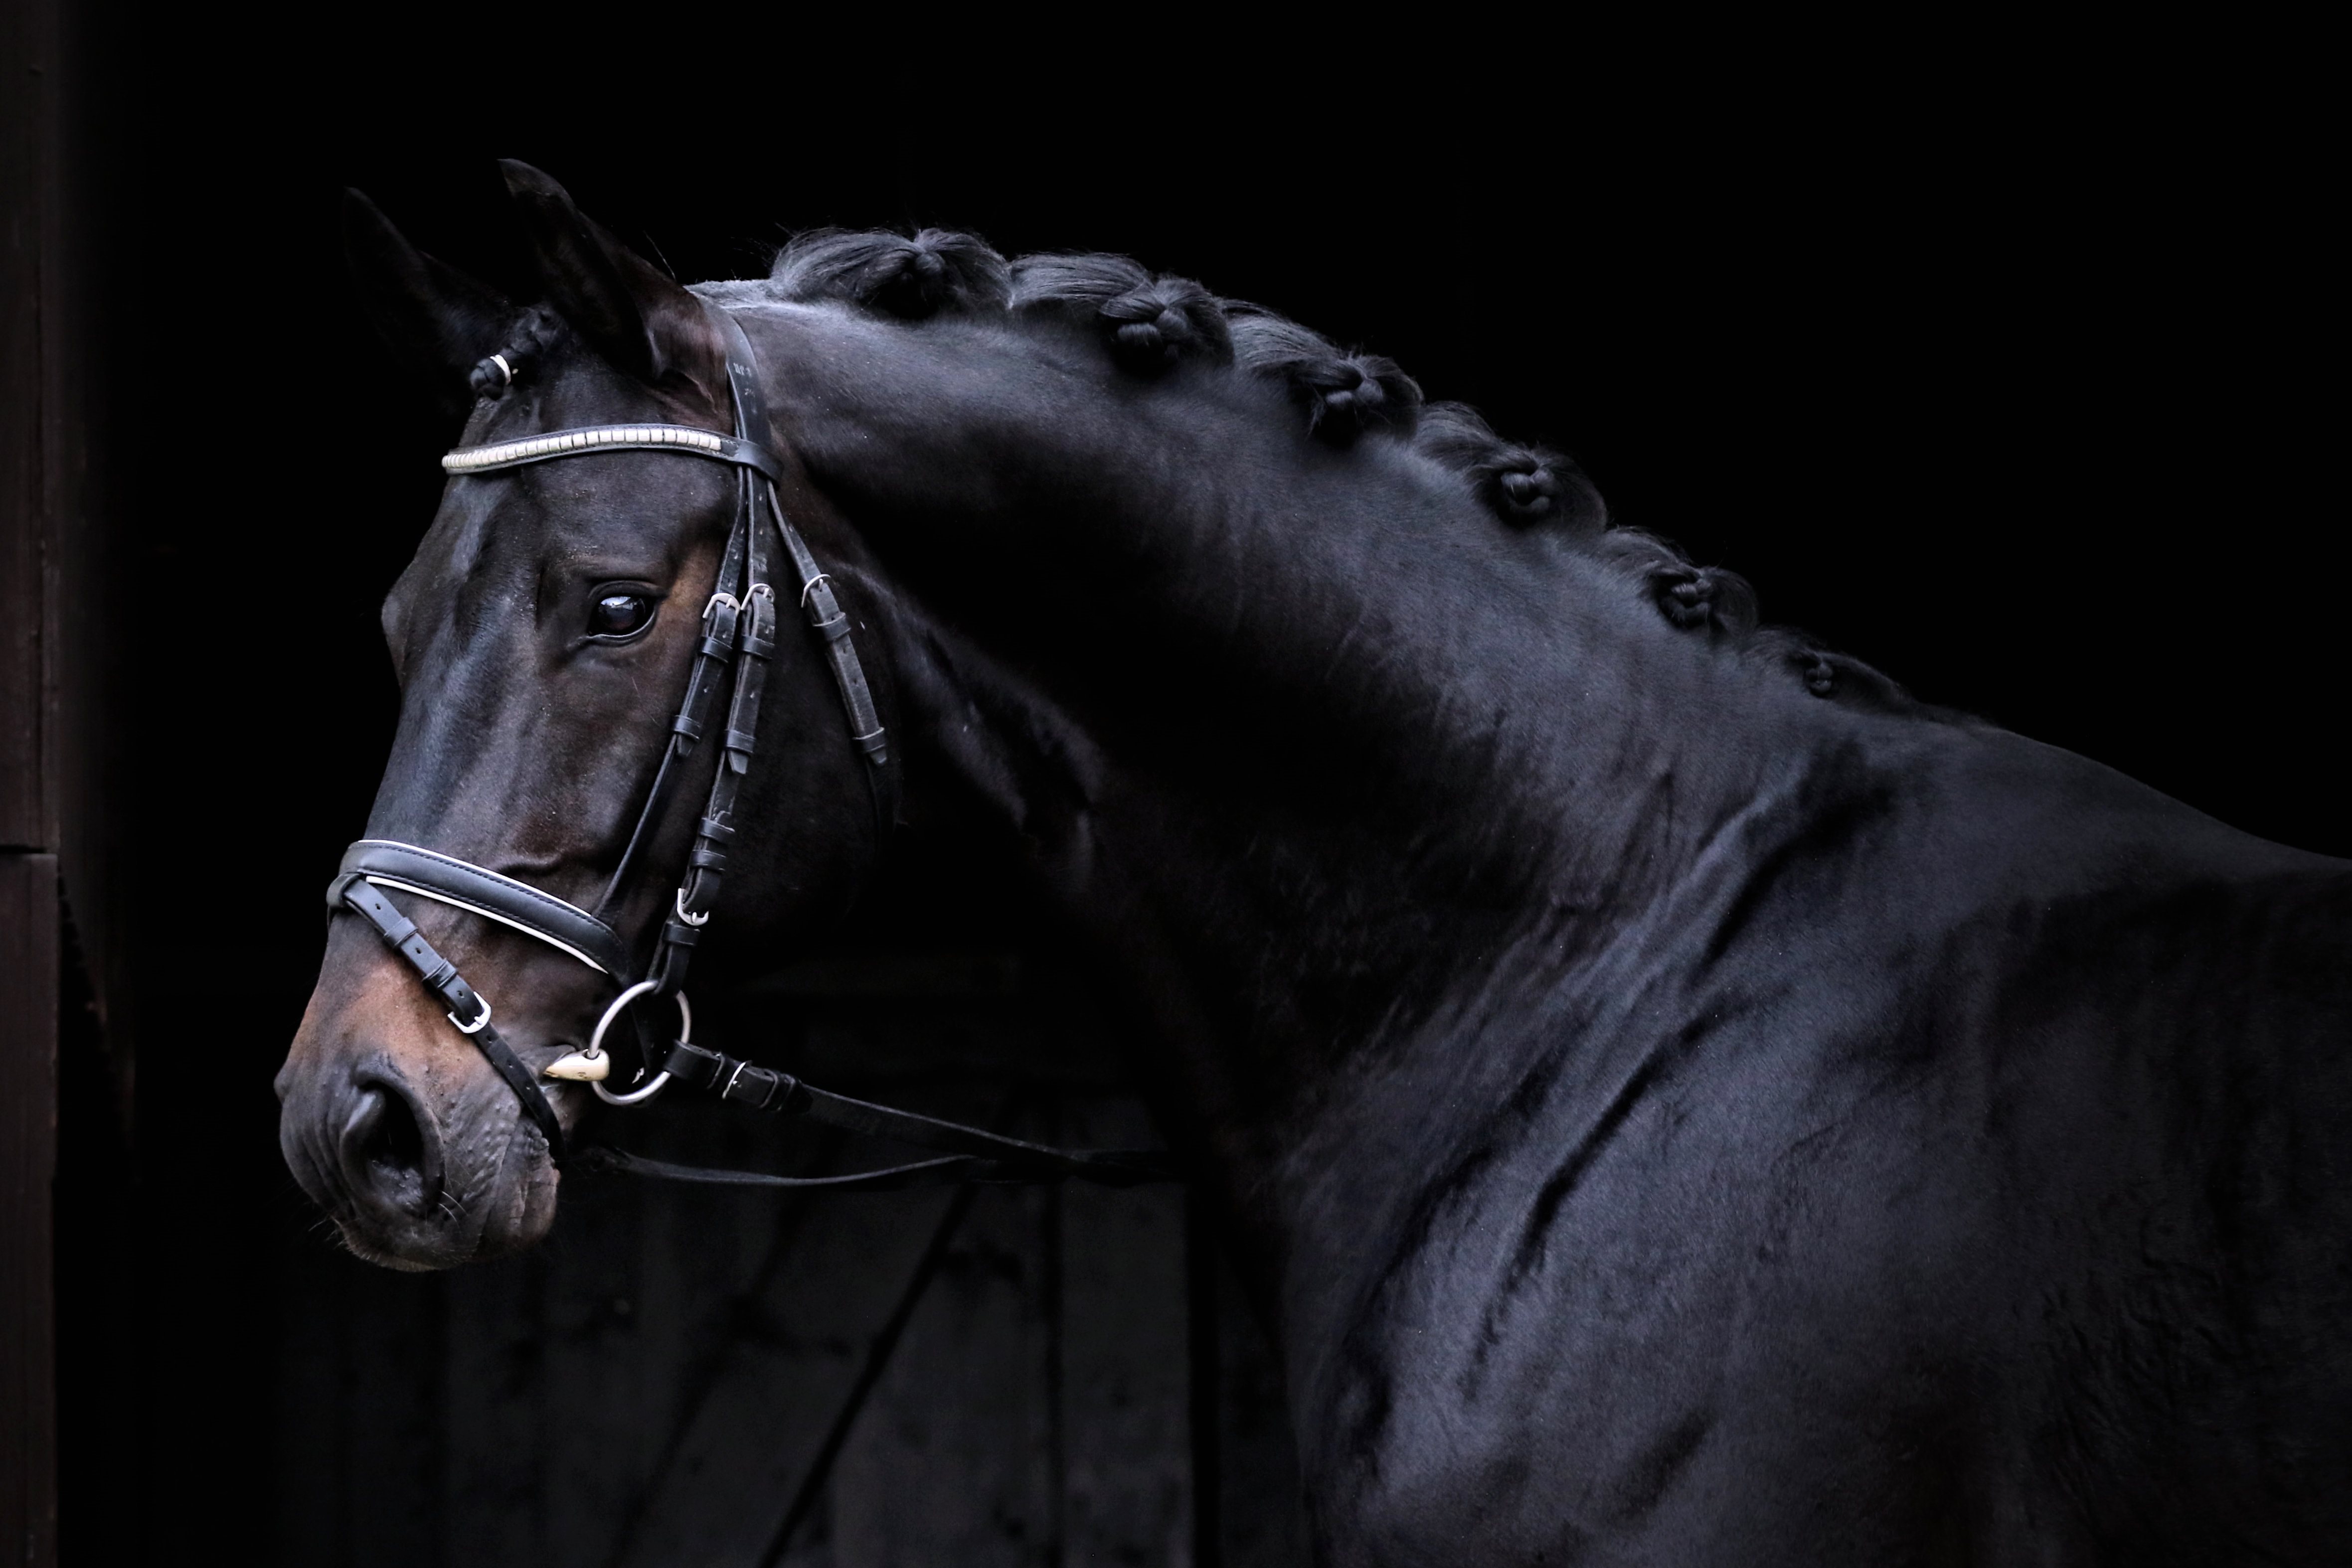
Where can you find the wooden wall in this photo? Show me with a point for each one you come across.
(28, 869)
(189, 669)
(690, 1377)
(60, 149)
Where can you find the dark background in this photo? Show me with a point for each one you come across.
(2006, 362)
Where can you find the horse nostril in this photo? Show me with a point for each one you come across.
(392, 1139)
(387, 1153)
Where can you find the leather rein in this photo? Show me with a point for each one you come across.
(738, 636)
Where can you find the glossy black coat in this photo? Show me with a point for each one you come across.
(1674, 1115)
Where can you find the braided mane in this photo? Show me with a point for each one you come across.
(1149, 323)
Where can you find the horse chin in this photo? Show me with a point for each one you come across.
(512, 1212)
(413, 1180)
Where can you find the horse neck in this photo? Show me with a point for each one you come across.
(1307, 736)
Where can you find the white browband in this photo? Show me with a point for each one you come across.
(473, 459)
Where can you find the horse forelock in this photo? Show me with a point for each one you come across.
(1150, 323)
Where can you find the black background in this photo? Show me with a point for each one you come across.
(2006, 362)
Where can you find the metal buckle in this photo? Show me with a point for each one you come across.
(480, 1024)
(678, 903)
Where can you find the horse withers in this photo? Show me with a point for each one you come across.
(1679, 1100)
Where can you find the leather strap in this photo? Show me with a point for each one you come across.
(714, 651)
(387, 863)
(816, 593)
(698, 892)
(467, 1010)
(765, 1089)
(948, 1171)
(830, 624)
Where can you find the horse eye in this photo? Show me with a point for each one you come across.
(620, 614)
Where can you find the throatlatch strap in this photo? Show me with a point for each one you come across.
(830, 624)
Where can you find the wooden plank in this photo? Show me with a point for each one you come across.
(1126, 1376)
(646, 1279)
(603, 1370)
(392, 1423)
(313, 1409)
(792, 1360)
(28, 1037)
(957, 1456)
(494, 1391)
(358, 1424)
(1261, 1508)
(29, 33)
(29, 908)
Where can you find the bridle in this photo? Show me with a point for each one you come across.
(738, 635)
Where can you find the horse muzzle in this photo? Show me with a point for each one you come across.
(397, 1129)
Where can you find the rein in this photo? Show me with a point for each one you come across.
(738, 635)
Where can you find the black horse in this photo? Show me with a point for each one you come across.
(1682, 1101)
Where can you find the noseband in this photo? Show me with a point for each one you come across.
(737, 634)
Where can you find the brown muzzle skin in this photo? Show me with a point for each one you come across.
(396, 1125)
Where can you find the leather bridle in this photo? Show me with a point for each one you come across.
(738, 635)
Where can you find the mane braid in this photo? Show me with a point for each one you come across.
(1150, 323)
(1345, 395)
(911, 278)
(1525, 485)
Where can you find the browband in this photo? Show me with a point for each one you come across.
(589, 438)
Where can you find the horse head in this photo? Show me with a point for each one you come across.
(540, 637)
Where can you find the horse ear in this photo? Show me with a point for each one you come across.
(434, 318)
(627, 310)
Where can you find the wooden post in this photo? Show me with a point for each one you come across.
(28, 1146)
(30, 920)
